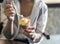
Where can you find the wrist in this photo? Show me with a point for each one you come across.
(11, 18)
(36, 37)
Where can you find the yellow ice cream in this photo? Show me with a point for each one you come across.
(24, 23)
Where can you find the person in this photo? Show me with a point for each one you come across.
(35, 10)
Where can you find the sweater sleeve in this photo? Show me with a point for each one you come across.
(42, 21)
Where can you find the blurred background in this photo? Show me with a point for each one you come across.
(53, 24)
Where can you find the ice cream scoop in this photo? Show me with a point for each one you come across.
(24, 22)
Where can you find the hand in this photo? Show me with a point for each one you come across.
(29, 32)
(9, 11)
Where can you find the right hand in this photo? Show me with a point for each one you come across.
(9, 11)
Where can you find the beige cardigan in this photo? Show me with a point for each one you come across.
(39, 8)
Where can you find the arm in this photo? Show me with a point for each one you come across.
(8, 13)
(41, 24)
(34, 34)
(7, 30)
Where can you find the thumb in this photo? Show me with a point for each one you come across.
(11, 18)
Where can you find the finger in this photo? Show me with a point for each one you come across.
(9, 9)
(10, 3)
(31, 34)
(10, 13)
(9, 6)
(29, 31)
(25, 33)
(31, 27)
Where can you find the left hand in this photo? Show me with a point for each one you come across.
(29, 32)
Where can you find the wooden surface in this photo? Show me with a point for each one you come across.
(10, 42)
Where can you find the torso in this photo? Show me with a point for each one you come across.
(26, 9)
